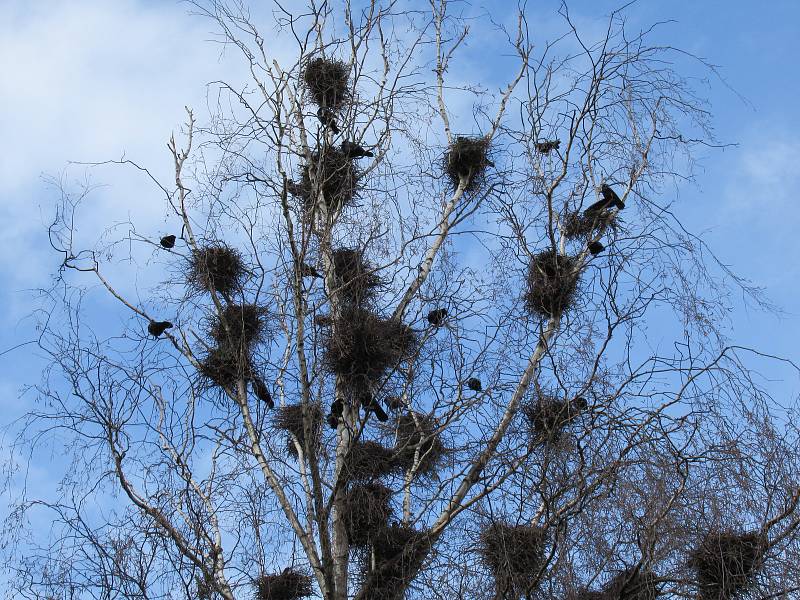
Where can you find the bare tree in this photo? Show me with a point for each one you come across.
(393, 352)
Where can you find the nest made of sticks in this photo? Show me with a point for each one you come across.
(356, 280)
(368, 460)
(632, 584)
(217, 267)
(548, 416)
(331, 173)
(468, 157)
(578, 225)
(362, 347)
(399, 552)
(552, 283)
(366, 510)
(328, 82)
(224, 366)
(726, 563)
(291, 418)
(240, 326)
(418, 432)
(290, 584)
(514, 554)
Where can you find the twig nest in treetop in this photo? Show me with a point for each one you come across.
(331, 173)
(632, 584)
(291, 419)
(327, 81)
(356, 280)
(399, 552)
(726, 563)
(291, 584)
(552, 282)
(362, 347)
(240, 326)
(514, 554)
(368, 460)
(577, 225)
(417, 437)
(224, 366)
(217, 267)
(468, 157)
(366, 510)
(548, 417)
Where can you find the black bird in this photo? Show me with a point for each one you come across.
(353, 150)
(168, 241)
(474, 384)
(326, 117)
(262, 392)
(595, 248)
(337, 409)
(370, 404)
(548, 146)
(437, 317)
(307, 270)
(610, 200)
(156, 328)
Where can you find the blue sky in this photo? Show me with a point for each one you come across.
(92, 80)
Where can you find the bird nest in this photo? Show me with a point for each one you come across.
(291, 418)
(552, 283)
(632, 584)
(548, 416)
(217, 267)
(327, 81)
(356, 280)
(291, 584)
(418, 432)
(726, 563)
(225, 366)
(332, 174)
(369, 460)
(468, 158)
(366, 510)
(399, 552)
(577, 225)
(514, 554)
(362, 347)
(240, 326)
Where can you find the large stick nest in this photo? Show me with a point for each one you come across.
(399, 553)
(332, 174)
(362, 347)
(366, 510)
(578, 225)
(726, 563)
(356, 280)
(369, 460)
(240, 326)
(631, 584)
(548, 417)
(514, 554)
(552, 282)
(418, 437)
(217, 267)
(224, 366)
(327, 82)
(468, 158)
(291, 418)
(291, 584)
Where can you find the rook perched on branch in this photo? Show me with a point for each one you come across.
(156, 328)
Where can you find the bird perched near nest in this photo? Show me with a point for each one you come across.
(353, 150)
(610, 200)
(474, 384)
(307, 270)
(436, 317)
(327, 118)
(547, 146)
(156, 328)
(337, 409)
(262, 392)
(168, 242)
(370, 404)
(595, 248)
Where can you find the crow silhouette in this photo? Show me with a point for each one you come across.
(262, 392)
(326, 117)
(353, 150)
(595, 248)
(370, 404)
(474, 384)
(548, 146)
(437, 317)
(337, 409)
(156, 328)
(168, 241)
